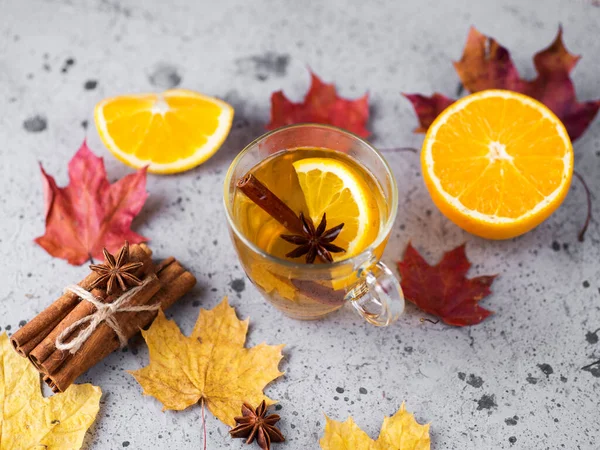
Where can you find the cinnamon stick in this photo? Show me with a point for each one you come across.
(40, 355)
(319, 293)
(174, 282)
(34, 331)
(63, 367)
(269, 202)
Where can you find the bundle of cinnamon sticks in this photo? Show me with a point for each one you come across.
(163, 285)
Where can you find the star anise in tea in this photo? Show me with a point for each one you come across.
(315, 241)
(116, 272)
(256, 424)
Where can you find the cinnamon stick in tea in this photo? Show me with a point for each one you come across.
(269, 202)
(174, 282)
(47, 347)
(319, 293)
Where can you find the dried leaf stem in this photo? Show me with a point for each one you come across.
(589, 366)
(400, 149)
(588, 217)
(203, 425)
(425, 319)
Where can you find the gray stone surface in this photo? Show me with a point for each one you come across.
(515, 381)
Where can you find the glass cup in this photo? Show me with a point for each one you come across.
(311, 291)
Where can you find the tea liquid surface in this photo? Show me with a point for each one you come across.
(325, 194)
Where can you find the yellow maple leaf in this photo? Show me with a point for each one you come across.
(399, 432)
(28, 420)
(211, 365)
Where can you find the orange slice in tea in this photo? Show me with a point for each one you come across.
(333, 187)
(263, 276)
(169, 132)
(497, 163)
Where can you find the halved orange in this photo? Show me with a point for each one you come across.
(497, 163)
(169, 132)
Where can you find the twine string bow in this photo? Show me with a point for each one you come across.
(104, 313)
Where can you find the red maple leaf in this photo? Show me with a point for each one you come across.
(428, 108)
(90, 213)
(321, 105)
(485, 64)
(444, 290)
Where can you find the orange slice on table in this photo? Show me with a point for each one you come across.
(497, 163)
(169, 132)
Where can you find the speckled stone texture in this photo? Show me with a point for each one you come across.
(514, 382)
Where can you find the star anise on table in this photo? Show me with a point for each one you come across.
(116, 272)
(256, 424)
(315, 241)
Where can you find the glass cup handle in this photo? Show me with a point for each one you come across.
(377, 297)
